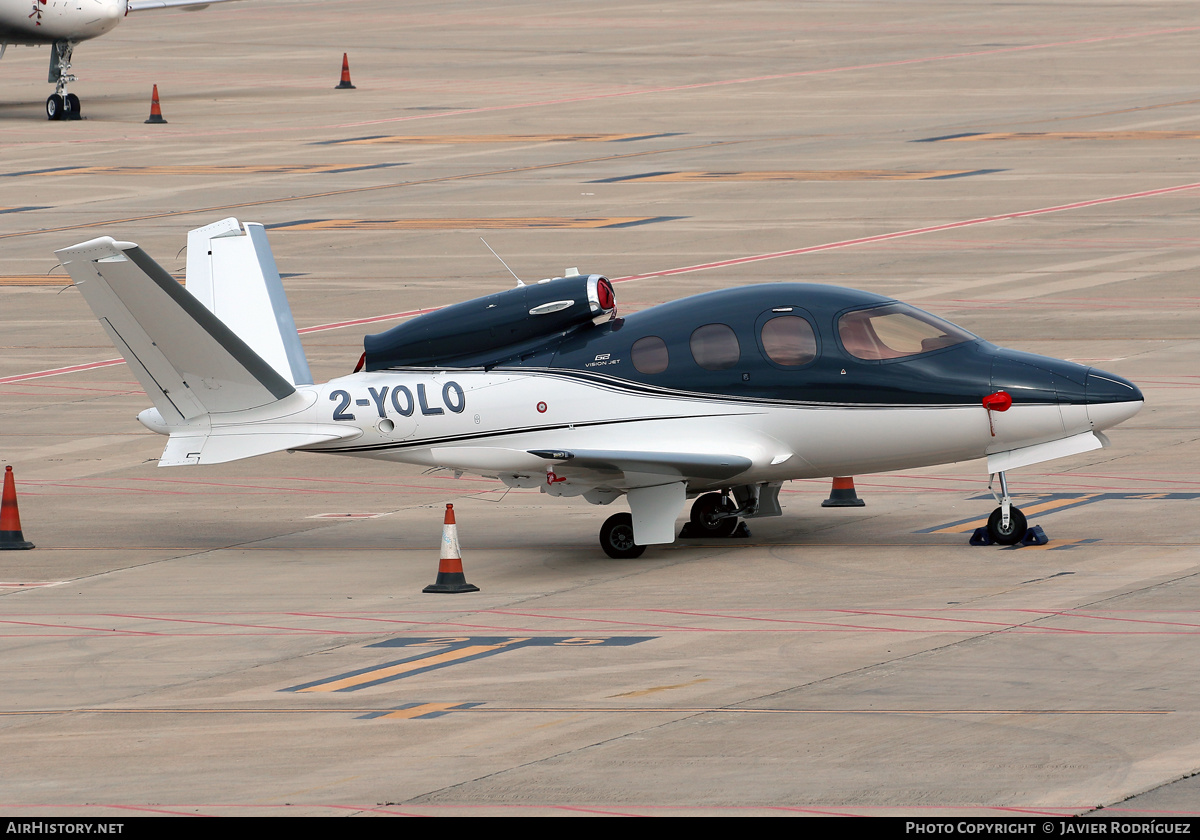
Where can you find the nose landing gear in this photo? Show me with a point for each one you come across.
(1007, 525)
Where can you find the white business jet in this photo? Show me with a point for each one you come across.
(720, 397)
(64, 23)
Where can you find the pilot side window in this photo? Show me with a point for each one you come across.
(650, 355)
(715, 347)
(789, 340)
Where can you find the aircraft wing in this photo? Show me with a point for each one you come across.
(655, 482)
(194, 5)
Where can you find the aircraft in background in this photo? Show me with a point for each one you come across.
(64, 23)
(719, 397)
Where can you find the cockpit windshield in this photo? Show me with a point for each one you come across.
(895, 331)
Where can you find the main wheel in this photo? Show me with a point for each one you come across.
(616, 538)
(704, 517)
(1017, 526)
(54, 107)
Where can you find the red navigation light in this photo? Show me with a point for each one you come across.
(999, 401)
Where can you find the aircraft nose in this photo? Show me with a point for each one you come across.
(1030, 378)
(1111, 399)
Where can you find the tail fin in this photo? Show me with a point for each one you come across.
(217, 398)
(189, 363)
(230, 269)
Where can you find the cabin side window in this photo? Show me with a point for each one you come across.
(895, 331)
(715, 347)
(650, 355)
(789, 340)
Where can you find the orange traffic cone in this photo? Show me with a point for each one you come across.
(345, 83)
(10, 519)
(155, 111)
(843, 494)
(450, 572)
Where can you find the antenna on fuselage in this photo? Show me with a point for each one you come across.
(502, 262)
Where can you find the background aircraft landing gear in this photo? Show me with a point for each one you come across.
(1006, 525)
(616, 537)
(61, 105)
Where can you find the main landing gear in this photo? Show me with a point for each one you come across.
(61, 105)
(1006, 525)
(713, 515)
(616, 538)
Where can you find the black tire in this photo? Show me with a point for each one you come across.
(71, 107)
(616, 538)
(54, 107)
(1017, 526)
(703, 521)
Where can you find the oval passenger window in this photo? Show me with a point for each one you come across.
(715, 347)
(789, 340)
(650, 354)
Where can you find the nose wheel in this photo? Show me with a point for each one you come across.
(1007, 525)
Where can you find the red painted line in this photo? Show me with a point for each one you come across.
(612, 621)
(101, 630)
(987, 624)
(224, 624)
(31, 488)
(885, 237)
(1133, 620)
(811, 249)
(319, 328)
(1073, 614)
(340, 324)
(72, 369)
(146, 809)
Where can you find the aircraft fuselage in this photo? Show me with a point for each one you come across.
(823, 411)
(34, 22)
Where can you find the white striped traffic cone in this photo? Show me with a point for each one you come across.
(450, 576)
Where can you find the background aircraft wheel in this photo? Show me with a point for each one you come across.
(71, 107)
(616, 537)
(703, 519)
(54, 107)
(1017, 526)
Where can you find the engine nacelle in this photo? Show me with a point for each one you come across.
(491, 329)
